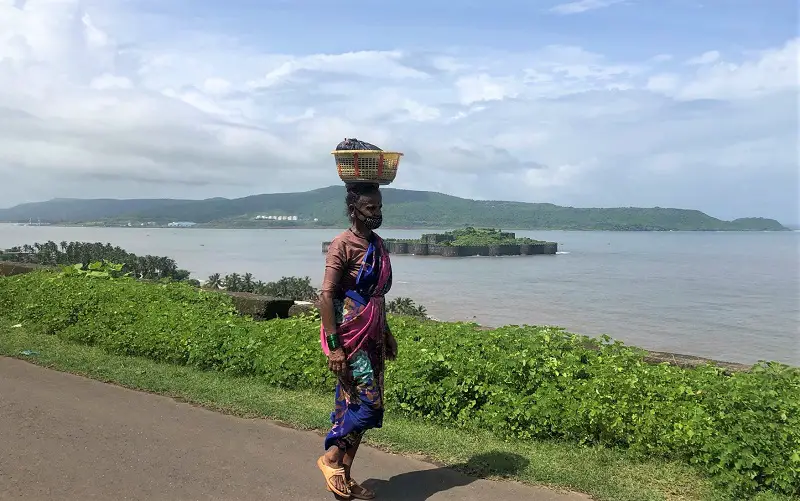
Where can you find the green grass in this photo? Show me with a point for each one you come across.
(519, 383)
(607, 475)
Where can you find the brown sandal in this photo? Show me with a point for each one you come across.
(329, 474)
(364, 492)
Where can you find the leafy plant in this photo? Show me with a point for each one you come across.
(98, 269)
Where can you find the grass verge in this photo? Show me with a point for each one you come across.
(605, 474)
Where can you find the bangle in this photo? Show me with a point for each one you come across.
(333, 341)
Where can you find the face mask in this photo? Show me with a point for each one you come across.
(371, 222)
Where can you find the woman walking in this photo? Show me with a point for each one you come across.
(355, 336)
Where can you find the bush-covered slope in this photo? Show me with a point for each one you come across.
(520, 382)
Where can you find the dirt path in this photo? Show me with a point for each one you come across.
(64, 437)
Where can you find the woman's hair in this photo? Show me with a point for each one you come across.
(356, 191)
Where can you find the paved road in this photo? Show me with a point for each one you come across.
(64, 437)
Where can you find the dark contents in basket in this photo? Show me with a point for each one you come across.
(355, 144)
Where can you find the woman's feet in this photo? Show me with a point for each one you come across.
(358, 491)
(335, 477)
(338, 481)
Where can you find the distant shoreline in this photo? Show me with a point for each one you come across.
(406, 209)
(206, 226)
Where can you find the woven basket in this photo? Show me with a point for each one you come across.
(367, 166)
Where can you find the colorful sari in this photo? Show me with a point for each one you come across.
(361, 322)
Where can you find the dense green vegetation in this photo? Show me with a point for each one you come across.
(604, 473)
(520, 383)
(406, 307)
(92, 256)
(298, 289)
(470, 236)
(69, 253)
(404, 208)
(95, 258)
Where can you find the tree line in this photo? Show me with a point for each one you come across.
(70, 253)
(150, 267)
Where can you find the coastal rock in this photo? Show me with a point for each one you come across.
(10, 268)
(300, 308)
(260, 307)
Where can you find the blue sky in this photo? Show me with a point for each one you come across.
(629, 28)
(675, 103)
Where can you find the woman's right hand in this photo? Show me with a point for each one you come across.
(337, 361)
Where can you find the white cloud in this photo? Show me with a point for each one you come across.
(581, 6)
(83, 114)
(107, 81)
(371, 64)
(766, 72)
(663, 83)
(482, 87)
(216, 86)
(709, 57)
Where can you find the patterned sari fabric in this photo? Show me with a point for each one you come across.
(361, 321)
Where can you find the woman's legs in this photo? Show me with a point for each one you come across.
(358, 491)
(358, 407)
(343, 450)
(338, 439)
(333, 458)
(336, 457)
(350, 456)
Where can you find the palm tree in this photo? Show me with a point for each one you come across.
(232, 282)
(247, 282)
(214, 281)
(28, 256)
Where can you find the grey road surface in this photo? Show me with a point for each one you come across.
(64, 437)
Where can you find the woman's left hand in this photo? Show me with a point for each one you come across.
(391, 346)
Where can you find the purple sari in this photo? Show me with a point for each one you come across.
(362, 327)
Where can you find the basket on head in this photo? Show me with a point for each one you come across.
(367, 166)
(362, 162)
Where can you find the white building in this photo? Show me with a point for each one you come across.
(275, 218)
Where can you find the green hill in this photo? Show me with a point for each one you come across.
(70, 209)
(403, 208)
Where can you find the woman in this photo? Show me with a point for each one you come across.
(355, 336)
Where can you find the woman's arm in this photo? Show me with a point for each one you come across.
(391, 342)
(335, 261)
(326, 311)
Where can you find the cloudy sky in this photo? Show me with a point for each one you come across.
(672, 103)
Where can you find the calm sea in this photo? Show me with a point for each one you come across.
(730, 296)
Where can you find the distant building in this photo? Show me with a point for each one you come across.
(275, 218)
(182, 224)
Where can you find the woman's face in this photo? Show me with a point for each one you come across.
(370, 205)
(368, 210)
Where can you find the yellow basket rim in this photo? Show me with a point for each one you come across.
(376, 152)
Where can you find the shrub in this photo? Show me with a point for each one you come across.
(520, 382)
(298, 289)
(406, 307)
